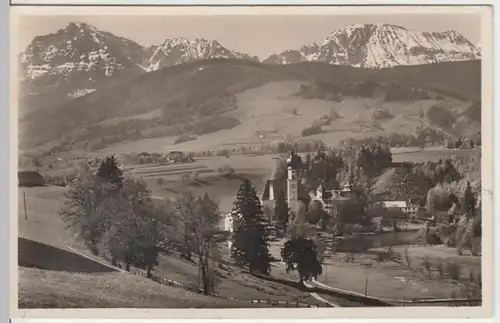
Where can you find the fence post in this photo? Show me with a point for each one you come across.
(287, 303)
(366, 286)
(297, 303)
(25, 212)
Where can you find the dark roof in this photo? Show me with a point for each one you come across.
(30, 178)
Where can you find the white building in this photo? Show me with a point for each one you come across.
(407, 208)
(227, 225)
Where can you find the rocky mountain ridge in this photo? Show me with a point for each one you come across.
(381, 46)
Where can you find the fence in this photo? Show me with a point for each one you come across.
(363, 300)
(168, 282)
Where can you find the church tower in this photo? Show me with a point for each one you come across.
(292, 183)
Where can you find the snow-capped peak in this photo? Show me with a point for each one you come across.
(179, 50)
(79, 57)
(383, 45)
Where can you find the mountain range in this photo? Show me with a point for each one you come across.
(381, 46)
(80, 77)
(77, 59)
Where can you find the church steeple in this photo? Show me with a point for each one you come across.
(293, 163)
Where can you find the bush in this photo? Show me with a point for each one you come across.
(226, 170)
(184, 138)
(313, 130)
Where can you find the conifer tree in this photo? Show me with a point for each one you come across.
(469, 201)
(250, 239)
(110, 171)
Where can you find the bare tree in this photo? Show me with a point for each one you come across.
(84, 208)
(199, 217)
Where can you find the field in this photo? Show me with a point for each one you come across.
(59, 289)
(429, 154)
(396, 280)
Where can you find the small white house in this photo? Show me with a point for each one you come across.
(228, 222)
(227, 225)
(405, 207)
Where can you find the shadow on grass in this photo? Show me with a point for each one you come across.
(42, 256)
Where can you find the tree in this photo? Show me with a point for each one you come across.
(301, 254)
(421, 136)
(281, 211)
(139, 227)
(199, 217)
(124, 218)
(250, 247)
(373, 158)
(84, 208)
(110, 171)
(469, 201)
(135, 232)
(315, 212)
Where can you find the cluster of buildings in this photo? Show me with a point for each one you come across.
(331, 199)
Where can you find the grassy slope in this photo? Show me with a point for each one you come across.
(265, 115)
(44, 226)
(263, 106)
(67, 284)
(55, 289)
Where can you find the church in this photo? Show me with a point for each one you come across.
(297, 193)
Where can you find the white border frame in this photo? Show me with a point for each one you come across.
(245, 313)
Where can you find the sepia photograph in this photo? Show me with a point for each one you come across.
(253, 157)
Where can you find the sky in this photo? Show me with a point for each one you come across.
(251, 34)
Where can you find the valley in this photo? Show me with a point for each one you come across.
(131, 159)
